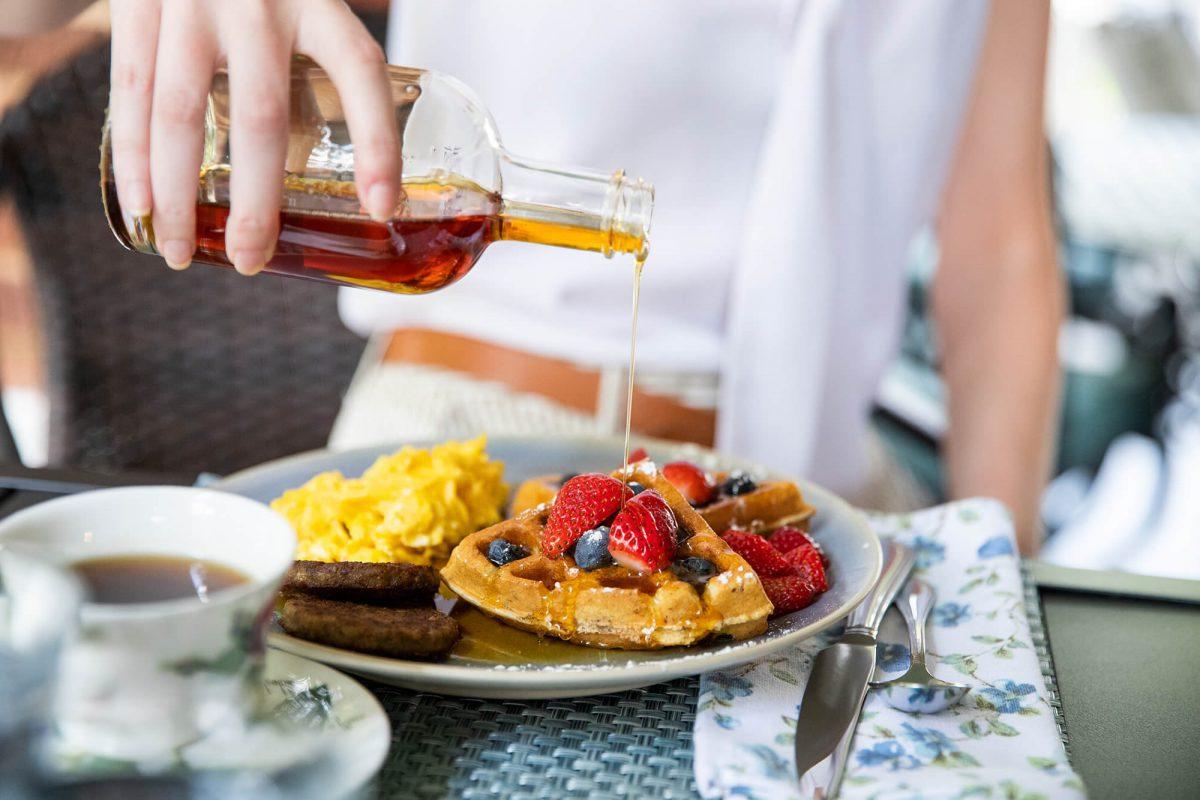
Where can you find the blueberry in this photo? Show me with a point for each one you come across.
(502, 551)
(738, 483)
(566, 477)
(636, 487)
(694, 569)
(591, 551)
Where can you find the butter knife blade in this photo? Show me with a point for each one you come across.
(837, 686)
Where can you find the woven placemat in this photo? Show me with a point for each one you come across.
(627, 745)
(635, 744)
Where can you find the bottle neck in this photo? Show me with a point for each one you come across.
(546, 204)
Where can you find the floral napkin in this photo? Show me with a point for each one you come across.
(1001, 742)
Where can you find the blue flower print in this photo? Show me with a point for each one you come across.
(949, 615)
(928, 551)
(743, 791)
(889, 752)
(1007, 695)
(996, 546)
(727, 687)
(928, 742)
(925, 701)
(771, 764)
(892, 657)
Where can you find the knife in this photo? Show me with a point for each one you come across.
(837, 687)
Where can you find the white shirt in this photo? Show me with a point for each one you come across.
(795, 146)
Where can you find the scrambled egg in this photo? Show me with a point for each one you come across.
(412, 506)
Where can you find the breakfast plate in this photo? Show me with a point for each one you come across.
(495, 661)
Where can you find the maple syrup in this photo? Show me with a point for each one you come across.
(408, 256)
(489, 640)
(445, 227)
(637, 291)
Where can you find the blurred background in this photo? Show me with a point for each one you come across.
(98, 354)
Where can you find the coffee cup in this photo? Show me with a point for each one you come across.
(140, 680)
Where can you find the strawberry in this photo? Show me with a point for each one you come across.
(759, 554)
(789, 593)
(663, 515)
(807, 563)
(638, 454)
(696, 485)
(583, 502)
(788, 538)
(643, 534)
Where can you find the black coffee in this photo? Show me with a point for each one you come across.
(149, 578)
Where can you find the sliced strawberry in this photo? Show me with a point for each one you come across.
(788, 538)
(583, 502)
(696, 485)
(638, 454)
(759, 554)
(789, 593)
(808, 565)
(643, 534)
(663, 515)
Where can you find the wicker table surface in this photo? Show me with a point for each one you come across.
(630, 744)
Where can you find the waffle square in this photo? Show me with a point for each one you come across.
(612, 606)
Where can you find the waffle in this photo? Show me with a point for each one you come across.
(772, 504)
(611, 606)
(533, 493)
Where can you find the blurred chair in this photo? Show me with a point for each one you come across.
(149, 369)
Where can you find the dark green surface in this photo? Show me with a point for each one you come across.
(1129, 676)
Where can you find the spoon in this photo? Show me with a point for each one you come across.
(917, 691)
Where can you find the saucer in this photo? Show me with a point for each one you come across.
(299, 697)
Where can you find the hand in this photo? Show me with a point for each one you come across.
(164, 53)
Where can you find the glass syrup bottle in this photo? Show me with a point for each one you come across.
(461, 191)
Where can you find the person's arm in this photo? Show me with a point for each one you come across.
(998, 292)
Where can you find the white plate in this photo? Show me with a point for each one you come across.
(569, 671)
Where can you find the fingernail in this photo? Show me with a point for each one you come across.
(249, 262)
(177, 252)
(381, 201)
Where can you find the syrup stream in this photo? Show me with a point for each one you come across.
(637, 291)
